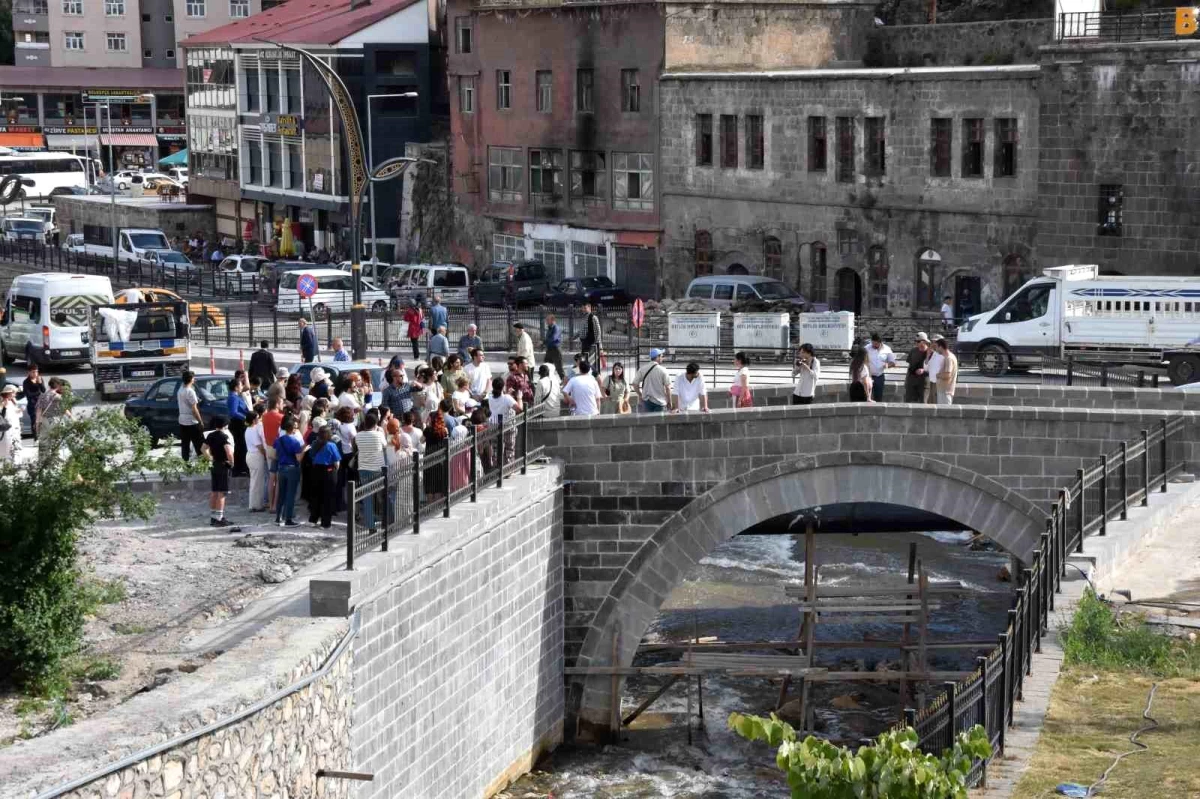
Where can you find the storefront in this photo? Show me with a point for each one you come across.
(131, 150)
(171, 139)
(21, 137)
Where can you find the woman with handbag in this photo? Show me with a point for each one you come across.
(616, 391)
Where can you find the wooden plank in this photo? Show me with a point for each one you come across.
(889, 676)
(878, 619)
(899, 589)
(864, 643)
(640, 709)
(894, 607)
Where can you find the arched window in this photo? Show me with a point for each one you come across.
(820, 277)
(929, 275)
(773, 257)
(703, 253)
(1016, 272)
(877, 267)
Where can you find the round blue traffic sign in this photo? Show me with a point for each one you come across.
(306, 286)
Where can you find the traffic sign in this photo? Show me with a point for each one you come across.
(638, 313)
(306, 286)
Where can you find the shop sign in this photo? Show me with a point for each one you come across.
(304, 217)
(283, 124)
(167, 130)
(115, 96)
(833, 330)
(20, 129)
(70, 130)
(761, 331)
(692, 330)
(277, 54)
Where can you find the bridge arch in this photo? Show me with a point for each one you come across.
(789, 486)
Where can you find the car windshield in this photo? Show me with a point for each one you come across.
(251, 264)
(774, 290)
(25, 224)
(211, 389)
(598, 282)
(149, 241)
(174, 257)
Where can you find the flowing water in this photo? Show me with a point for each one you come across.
(736, 594)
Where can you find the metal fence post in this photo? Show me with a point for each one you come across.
(250, 334)
(328, 327)
(952, 713)
(1103, 375)
(982, 662)
(387, 506)
(416, 493)
(1124, 481)
(274, 327)
(1104, 495)
(1081, 513)
(474, 465)
(1014, 622)
(1004, 696)
(228, 332)
(1051, 549)
(910, 717)
(447, 476)
(204, 315)
(1163, 444)
(1070, 370)
(524, 438)
(386, 345)
(351, 521)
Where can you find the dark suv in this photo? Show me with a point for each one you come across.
(506, 283)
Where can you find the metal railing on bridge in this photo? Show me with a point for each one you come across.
(1112, 26)
(408, 494)
(1072, 371)
(1101, 493)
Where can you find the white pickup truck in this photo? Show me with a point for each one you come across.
(134, 245)
(1072, 310)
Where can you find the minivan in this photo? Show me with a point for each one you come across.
(45, 317)
(451, 282)
(335, 292)
(508, 283)
(723, 291)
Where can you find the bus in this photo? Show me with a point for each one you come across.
(51, 173)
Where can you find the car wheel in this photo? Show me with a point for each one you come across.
(205, 321)
(29, 358)
(1183, 369)
(993, 360)
(379, 306)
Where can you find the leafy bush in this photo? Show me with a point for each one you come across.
(891, 768)
(44, 506)
(1099, 637)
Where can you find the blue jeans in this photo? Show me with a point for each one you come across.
(877, 383)
(650, 406)
(368, 504)
(289, 483)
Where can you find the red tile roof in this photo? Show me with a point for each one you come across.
(149, 78)
(302, 22)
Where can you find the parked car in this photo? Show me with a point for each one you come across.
(171, 266)
(199, 314)
(124, 179)
(239, 274)
(179, 174)
(336, 369)
(596, 289)
(506, 283)
(335, 292)
(452, 282)
(722, 291)
(158, 409)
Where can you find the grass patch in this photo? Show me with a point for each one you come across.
(102, 592)
(1099, 638)
(123, 628)
(95, 670)
(29, 705)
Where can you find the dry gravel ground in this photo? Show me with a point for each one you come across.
(179, 574)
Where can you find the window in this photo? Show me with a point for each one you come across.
(462, 34)
(633, 181)
(275, 163)
(32, 7)
(169, 19)
(754, 142)
(1112, 202)
(503, 89)
(589, 259)
(170, 54)
(544, 101)
(554, 255)
(631, 91)
(506, 167)
(941, 134)
(723, 291)
(239, 8)
(73, 40)
(72, 8)
(729, 141)
(507, 248)
(845, 149)
(253, 90)
(114, 8)
(254, 155)
(1006, 148)
(545, 172)
(877, 264)
(704, 140)
(583, 90)
(703, 253)
(116, 42)
(876, 165)
(820, 276)
(195, 8)
(145, 17)
(817, 145)
(972, 156)
(589, 178)
(291, 87)
(271, 85)
(466, 94)
(147, 54)
(1032, 303)
(929, 264)
(773, 257)
(847, 241)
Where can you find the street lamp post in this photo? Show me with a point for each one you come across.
(371, 162)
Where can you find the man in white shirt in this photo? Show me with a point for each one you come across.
(583, 393)
(691, 392)
(480, 375)
(880, 358)
(947, 313)
(524, 344)
(933, 365)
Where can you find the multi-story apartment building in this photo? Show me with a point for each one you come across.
(266, 140)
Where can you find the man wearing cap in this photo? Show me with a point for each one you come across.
(916, 379)
(947, 373)
(278, 388)
(468, 342)
(880, 358)
(653, 384)
(524, 344)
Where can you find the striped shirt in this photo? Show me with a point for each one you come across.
(370, 450)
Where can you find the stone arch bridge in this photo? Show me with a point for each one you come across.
(648, 496)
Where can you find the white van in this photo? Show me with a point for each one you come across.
(46, 317)
(335, 292)
(451, 282)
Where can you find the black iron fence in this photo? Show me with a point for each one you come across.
(1100, 493)
(1073, 371)
(1131, 26)
(404, 496)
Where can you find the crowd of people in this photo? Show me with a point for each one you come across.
(932, 374)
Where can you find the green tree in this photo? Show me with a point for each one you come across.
(44, 507)
(891, 768)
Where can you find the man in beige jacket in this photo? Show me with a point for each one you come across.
(947, 374)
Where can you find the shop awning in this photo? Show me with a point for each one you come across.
(21, 140)
(174, 159)
(59, 141)
(129, 140)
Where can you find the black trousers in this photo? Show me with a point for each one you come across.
(192, 434)
(801, 400)
(416, 345)
(238, 428)
(554, 357)
(325, 494)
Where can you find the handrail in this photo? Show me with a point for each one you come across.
(1070, 520)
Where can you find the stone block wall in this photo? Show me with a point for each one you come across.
(1010, 41)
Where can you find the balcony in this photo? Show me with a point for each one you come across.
(1134, 26)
